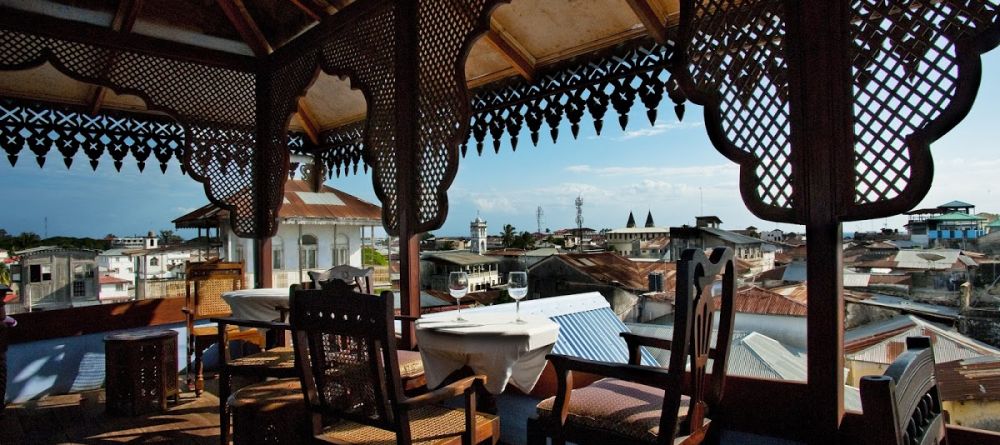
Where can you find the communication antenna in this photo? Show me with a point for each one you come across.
(538, 217)
(579, 220)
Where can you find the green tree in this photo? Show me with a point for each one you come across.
(524, 241)
(167, 238)
(26, 240)
(508, 235)
(371, 256)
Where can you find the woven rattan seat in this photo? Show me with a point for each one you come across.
(273, 358)
(272, 412)
(429, 425)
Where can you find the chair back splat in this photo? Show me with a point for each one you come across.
(902, 406)
(704, 284)
(345, 345)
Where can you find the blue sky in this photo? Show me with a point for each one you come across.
(669, 168)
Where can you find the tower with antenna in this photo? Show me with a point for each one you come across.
(538, 217)
(579, 221)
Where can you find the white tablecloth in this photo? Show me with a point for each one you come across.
(489, 343)
(257, 304)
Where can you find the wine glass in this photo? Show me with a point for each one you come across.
(458, 286)
(517, 288)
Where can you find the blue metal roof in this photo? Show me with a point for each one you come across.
(594, 335)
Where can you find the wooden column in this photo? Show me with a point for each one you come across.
(820, 98)
(263, 265)
(407, 129)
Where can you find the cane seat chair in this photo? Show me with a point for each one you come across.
(640, 404)
(902, 406)
(346, 350)
(205, 283)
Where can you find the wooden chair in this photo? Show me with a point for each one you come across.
(205, 284)
(345, 346)
(902, 406)
(277, 362)
(637, 404)
(362, 278)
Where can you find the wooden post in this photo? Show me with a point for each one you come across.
(407, 129)
(820, 101)
(263, 265)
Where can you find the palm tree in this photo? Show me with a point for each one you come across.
(507, 236)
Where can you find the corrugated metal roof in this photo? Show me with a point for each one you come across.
(971, 379)
(594, 335)
(955, 204)
(955, 216)
(460, 257)
(754, 300)
(883, 342)
(902, 304)
(609, 267)
(795, 272)
(731, 237)
(300, 203)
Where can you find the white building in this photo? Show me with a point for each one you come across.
(477, 233)
(150, 241)
(623, 241)
(117, 263)
(316, 231)
(114, 289)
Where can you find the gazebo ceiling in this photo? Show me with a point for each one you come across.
(526, 35)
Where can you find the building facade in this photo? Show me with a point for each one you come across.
(316, 231)
(55, 278)
(629, 241)
(477, 235)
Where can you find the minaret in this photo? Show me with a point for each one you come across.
(649, 219)
(477, 232)
(631, 221)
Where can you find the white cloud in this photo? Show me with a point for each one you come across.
(689, 171)
(659, 128)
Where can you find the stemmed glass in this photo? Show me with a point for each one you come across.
(517, 288)
(458, 286)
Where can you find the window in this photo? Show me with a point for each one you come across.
(342, 249)
(277, 254)
(154, 262)
(309, 246)
(79, 288)
(35, 273)
(119, 287)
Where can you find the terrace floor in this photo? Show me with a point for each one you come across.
(79, 418)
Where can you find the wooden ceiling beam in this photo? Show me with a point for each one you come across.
(102, 37)
(310, 8)
(123, 21)
(511, 50)
(245, 25)
(647, 15)
(309, 126)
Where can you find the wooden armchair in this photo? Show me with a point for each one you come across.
(205, 284)
(346, 349)
(277, 362)
(637, 404)
(902, 406)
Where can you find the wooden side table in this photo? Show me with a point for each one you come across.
(141, 369)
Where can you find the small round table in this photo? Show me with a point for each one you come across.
(141, 369)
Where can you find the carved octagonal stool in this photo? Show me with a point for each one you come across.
(141, 371)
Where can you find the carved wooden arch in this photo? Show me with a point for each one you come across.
(915, 72)
(410, 140)
(215, 106)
